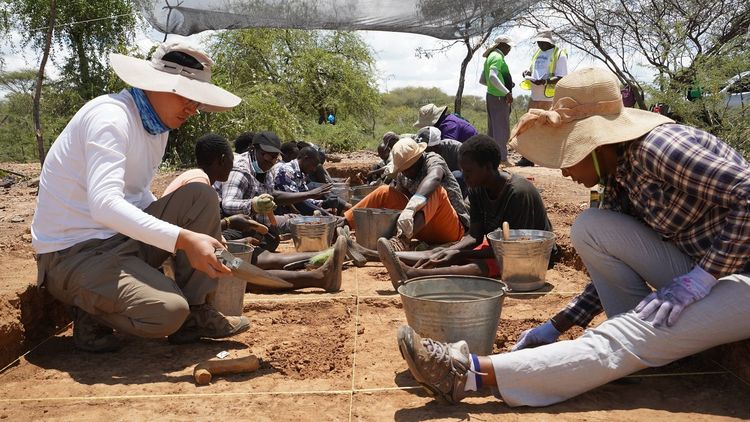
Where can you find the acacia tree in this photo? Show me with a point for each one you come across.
(671, 36)
(84, 33)
(285, 78)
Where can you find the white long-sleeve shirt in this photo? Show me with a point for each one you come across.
(96, 179)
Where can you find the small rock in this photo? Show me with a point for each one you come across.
(361, 330)
(33, 183)
(26, 237)
(17, 219)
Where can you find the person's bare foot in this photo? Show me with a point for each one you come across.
(332, 268)
(388, 257)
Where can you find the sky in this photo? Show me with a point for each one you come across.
(397, 65)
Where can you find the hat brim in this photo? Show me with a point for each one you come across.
(545, 39)
(140, 74)
(269, 148)
(431, 122)
(410, 162)
(566, 146)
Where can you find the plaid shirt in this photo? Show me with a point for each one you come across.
(241, 186)
(690, 188)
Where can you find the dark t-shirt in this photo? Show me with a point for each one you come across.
(519, 204)
(448, 149)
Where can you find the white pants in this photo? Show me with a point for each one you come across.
(620, 253)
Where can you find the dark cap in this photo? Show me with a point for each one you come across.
(268, 142)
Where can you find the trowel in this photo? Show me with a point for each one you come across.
(249, 272)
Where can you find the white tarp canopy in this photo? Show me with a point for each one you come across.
(446, 19)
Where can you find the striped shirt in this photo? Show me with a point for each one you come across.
(693, 190)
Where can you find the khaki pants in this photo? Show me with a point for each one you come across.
(622, 255)
(117, 279)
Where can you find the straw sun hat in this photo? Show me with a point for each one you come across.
(587, 112)
(405, 153)
(429, 115)
(161, 75)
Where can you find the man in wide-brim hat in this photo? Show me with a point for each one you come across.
(426, 191)
(674, 218)
(100, 234)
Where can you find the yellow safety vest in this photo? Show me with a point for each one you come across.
(549, 89)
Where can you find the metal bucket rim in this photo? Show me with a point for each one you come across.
(377, 210)
(497, 236)
(503, 287)
(322, 219)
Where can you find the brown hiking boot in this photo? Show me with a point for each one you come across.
(441, 368)
(92, 336)
(206, 322)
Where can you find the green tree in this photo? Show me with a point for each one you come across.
(287, 79)
(85, 32)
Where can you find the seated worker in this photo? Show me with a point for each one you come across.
(674, 219)
(249, 189)
(290, 177)
(381, 172)
(446, 148)
(320, 174)
(289, 151)
(213, 155)
(428, 194)
(450, 125)
(99, 233)
(494, 196)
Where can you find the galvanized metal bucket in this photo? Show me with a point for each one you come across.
(229, 295)
(360, 191)
(452, 308)
(342, 190)
(312, 233)
(374, 223)
(524, 257)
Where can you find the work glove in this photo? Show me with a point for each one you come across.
(669, 301)
(263, 204)
(538, 336)
(405, 221)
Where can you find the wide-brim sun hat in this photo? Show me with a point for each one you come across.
(429, 115)
(503, 39)
(545, 35)
(160, 75)
(405, 153)
(587, 112)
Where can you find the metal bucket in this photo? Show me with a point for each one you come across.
(312, 233)
(374, 223)
(230, 291)
(523, 258)
(342, 190)
(360, 191)
(452, 308)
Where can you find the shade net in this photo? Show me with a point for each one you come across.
(445, 19)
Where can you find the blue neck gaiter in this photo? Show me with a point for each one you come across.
(149, 118)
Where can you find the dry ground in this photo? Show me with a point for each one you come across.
(324, 356)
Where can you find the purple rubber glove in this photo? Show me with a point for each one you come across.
(669, 301)
(537, 336)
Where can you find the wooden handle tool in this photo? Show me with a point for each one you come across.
(204, 371)
(506, 231)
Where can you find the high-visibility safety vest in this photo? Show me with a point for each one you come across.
(549, 89)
